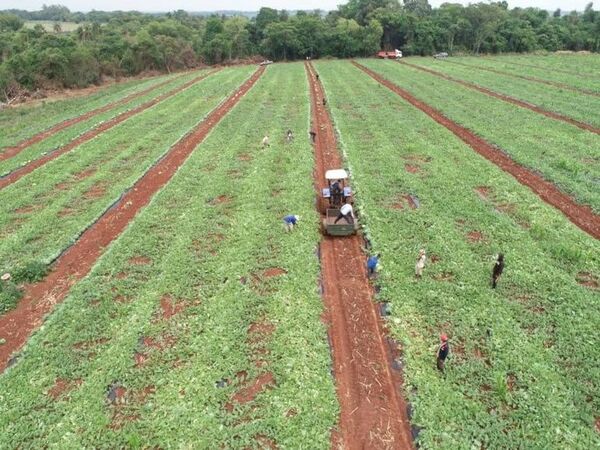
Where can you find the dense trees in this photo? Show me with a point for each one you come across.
(127, 43)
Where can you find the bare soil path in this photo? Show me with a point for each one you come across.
(9, 152)
(19, 173)
(524, 77)
(373, 411)
(507, 98)
(39, 298)
(580, 215)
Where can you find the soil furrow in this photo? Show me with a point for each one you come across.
(524, 77)
(506, 98)
(17, 174)
(9, 152)
(40, 298)
(373, 411)
(580, 215)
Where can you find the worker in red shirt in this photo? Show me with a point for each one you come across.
(442, 352)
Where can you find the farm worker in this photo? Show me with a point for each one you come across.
(336, 192)
(497, 270)
(290, 222)
(420, 265)
(265, 141)
(372, 263)
(289, 136)
(324, 101)
(442, 352)
(317, 75)
(347, 213)
(313, 136)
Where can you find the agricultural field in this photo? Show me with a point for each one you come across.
(201, 323)
(23, 121)
(571, 79)
(579, 106)
(531, 139)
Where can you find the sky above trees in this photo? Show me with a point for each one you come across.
(249, 5)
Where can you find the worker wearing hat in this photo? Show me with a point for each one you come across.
(442, 352)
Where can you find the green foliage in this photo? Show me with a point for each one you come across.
(208, 257)
(522, 371)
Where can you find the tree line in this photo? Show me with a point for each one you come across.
(120, 43)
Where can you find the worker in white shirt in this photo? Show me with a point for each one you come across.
(347, 213)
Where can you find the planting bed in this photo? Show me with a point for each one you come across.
(67, 132)
(581, 107)
(510, 347)
(67, 194)
(23, 122)
(585, 85)
(89, 135)
(204, 316)
(535, 142)
(507, 98)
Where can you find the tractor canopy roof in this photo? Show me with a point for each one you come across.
(336, 174)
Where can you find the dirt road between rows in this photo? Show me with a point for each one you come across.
(9, 152)
(373, 411)
(507, 98)
(580, 215)
(524, 77)
(19, 173)
(40, 298)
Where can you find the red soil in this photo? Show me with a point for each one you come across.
(588, 280)
(410, 201)
(17, 174)
(523, 77)
(266, 442)
(27, 209)
(62, 386)
(475, 236)
(258, 334)
(220, 199)
(85, 173)
(249, 393)
(274, 272)
(95, 191)
(412, 169)
(506, 98)
(9, 152)
(580, 215)
(373, 412)
(169, 307)
(40, 298)
(140, 260)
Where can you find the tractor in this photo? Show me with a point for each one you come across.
(336, 194)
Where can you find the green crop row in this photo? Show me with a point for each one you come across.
(45, 211)
(563, 153)
(581, 107)
(580, 65)
(68, 134)
(24, 121)
(207, 241)
(522, 371)
(590, 83)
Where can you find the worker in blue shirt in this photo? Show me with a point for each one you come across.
(372, 264)
(290, 222)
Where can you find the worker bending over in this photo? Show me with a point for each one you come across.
(290, 222)
(346, 212)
